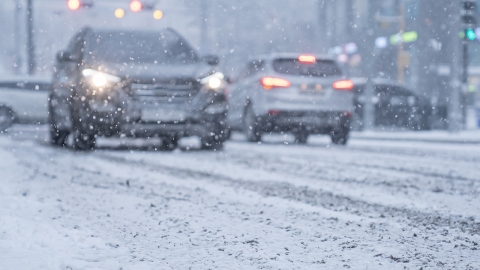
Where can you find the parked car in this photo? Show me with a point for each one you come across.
(23, 100)
(395, 105)
(136, 84)
(302, 94)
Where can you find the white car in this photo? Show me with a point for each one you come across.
(302, 94)
(23, 100)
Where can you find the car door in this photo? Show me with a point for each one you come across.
(236, 101)
(72, 69)
(399, 106)
(383, 110)
(65, 79)
(27, 99)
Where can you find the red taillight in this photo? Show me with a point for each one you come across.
(345, 85)
(271, 82)
(273, 112)
(307, 59)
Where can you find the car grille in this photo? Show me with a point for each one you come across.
(163, 93)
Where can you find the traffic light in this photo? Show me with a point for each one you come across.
(470, 34)
(73, 4)
(469, 19)
(136, 6)
(77, 4)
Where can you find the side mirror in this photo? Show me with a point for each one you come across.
(64, 56)
(212, 60)
(228, 79)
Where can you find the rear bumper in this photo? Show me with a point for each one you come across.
(305, 121)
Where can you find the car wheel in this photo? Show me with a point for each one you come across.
(7, 118)
(339, 136)
(251, 126)
(58, 137)
(83, 142)
(211, 144)
(301, 138)
(169, 143)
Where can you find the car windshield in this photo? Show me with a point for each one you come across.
(322, 68)
(140, 47)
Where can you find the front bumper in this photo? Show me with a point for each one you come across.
(111, 119)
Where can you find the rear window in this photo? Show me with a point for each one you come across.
(322, 68)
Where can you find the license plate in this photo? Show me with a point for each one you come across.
(307, 120)
(314, 89)
(163, 114)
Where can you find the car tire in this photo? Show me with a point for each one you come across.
(84, 142)
(251, 126)
(7, 118)
(58, 137)
(301, 138)
(339, 136)
(82, 139)
(169, 143)
(211, 145)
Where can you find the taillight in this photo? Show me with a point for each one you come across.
(272, 82)
(307, 59)
(345, 85)
(274, 112)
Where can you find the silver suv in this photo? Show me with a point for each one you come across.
(302, 94)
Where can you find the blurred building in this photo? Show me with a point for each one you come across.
(425, 60)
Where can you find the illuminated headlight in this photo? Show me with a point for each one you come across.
(214, 81)
(99, 79)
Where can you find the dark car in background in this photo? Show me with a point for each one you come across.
(136, 84)
(23, 100)
(395, 105)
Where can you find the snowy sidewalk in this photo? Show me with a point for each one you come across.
(437, 136)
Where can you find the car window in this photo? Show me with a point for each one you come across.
(359, 89)
(400, 91)
(140, 47)
(385, 90)
(37, 86)
(76, 46)
(255, 66)
(321, 68)
(251, 68)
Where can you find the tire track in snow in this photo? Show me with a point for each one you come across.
(327, 200)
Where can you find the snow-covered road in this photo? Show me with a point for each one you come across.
(369, 205)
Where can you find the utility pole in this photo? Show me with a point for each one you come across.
(463, 100)
(369, 106)
(454, 110)
(18, 58)
(401, 56)
(203, 27)
(466, 22)
(30, 39)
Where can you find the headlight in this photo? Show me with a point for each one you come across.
(99, 79)
(214, 81)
